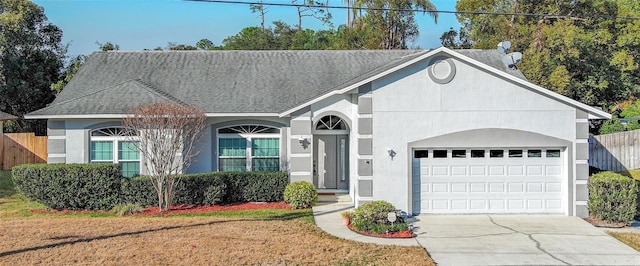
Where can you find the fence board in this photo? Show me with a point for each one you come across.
(615, 152)
(21, 148)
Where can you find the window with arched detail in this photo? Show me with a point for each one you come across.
(116, 145)
(331, 122)
(249, 148)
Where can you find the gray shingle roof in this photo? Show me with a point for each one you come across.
(492, 58)
(221, 81)
(4, 116)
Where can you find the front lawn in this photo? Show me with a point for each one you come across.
(630, 239)
(270, 237)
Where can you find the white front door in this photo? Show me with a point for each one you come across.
(488, 180)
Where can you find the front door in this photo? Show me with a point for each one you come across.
(331, 161)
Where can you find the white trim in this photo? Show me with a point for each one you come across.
(300, 173)
(582, 120)
(249, 137)
(581, 182)
(57, 137)
(241, 114)
(300, 155)
(583, 141)
(57, 155)
(594, 113)
(582, 161)
(28, 116)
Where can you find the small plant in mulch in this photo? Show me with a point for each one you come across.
(380, 219)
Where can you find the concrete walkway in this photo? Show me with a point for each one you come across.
(497, 239)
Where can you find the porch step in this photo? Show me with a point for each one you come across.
(334, 197)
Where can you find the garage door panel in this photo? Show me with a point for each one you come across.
(440, 170)
(496, 170)
(496, 187)
(478, 170)
(521, 184)
(554, 187)
(515, 170)
(459, 170)
(534, 170)
(458, 187)
(478, 187)
(553, 170)
(534, 187)
(440, 187)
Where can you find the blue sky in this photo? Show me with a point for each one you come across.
(140, 24)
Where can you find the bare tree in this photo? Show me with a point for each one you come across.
(166, 135)
(261, 10)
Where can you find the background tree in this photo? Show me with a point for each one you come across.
(167, 134)
(108, 46)
(577, 51)
(450, 39)
(390, 24)
(71, 69)
(32, 57)
(307, 8)
(261, 10)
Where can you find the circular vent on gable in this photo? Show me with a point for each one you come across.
(441, 70)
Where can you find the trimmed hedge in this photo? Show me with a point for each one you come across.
(70, 186)
(613, 197)
(101, 186)
(211, 188)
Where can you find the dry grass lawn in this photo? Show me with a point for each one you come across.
(630, 239)
(186, 241)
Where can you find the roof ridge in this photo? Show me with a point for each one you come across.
(144, 85)
(159, 92)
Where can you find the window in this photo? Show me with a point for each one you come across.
(553, 153)
(496, 153)
(534, 153)
(440, 154)
(421, 154)
(113, 145)
(515, 153)
(331, 122)
(477, 153)
(458, 154)
(249, 148)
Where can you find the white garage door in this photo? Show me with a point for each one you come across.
(491, 180)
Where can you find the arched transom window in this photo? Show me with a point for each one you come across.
(249, 148)
(116, 145)
(331, 122)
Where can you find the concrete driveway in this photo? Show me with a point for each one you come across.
(519, 240)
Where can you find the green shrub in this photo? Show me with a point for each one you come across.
(210, 188)
(612, 125)
(138, 190)
(613, 197)
(126, 209)
(300, 195)
(373, 217)
(70, 186)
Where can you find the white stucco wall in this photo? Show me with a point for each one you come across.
(408, 106)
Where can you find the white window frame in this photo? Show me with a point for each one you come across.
(115, 141)
(248, 137)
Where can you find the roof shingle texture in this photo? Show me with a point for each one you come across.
(222, 81)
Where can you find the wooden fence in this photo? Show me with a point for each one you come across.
(21, 148)
(615, 152)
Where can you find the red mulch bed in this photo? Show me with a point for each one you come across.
(186, 209)
(403, 234)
